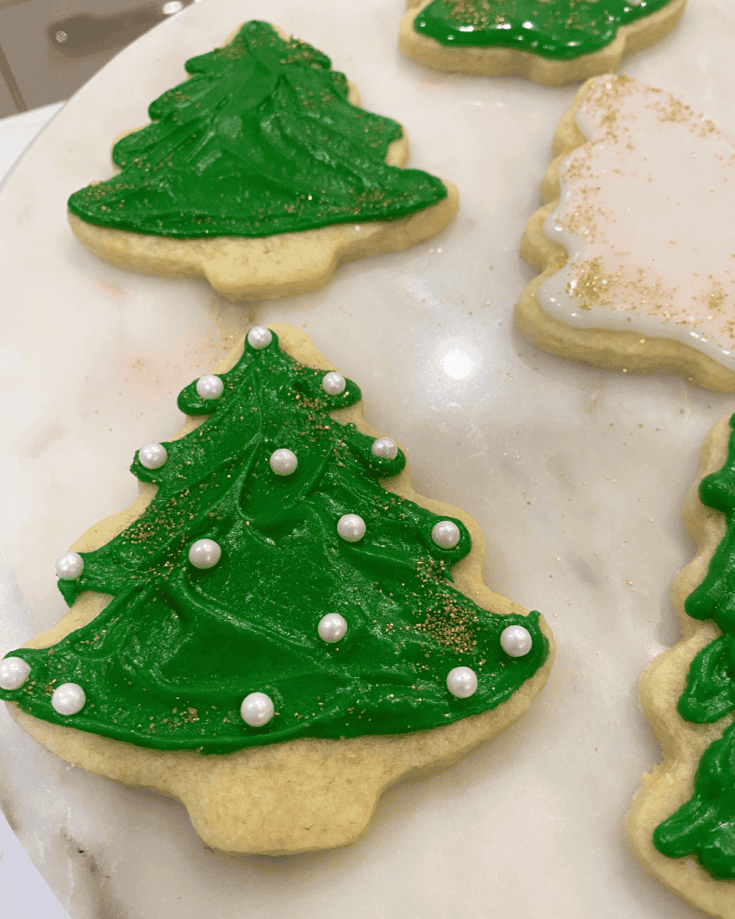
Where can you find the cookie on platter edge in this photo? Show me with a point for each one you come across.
(681, 824)
(632, 276)
(469, 36)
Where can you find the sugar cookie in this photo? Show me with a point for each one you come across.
(270, 634)
(682, 822)
(260, 173)
(552, 42)
(632, 276)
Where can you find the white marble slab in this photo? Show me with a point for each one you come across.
(575, 475)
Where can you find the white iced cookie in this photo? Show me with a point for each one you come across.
(632, 275)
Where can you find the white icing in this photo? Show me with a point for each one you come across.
(644, 213)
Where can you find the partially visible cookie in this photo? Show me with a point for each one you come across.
(636, 271)
(682, 822)
(280, 627)
(552, 42)
(260, 173)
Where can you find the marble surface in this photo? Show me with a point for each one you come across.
(24, 891)
(575, 475)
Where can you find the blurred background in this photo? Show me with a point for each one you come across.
(49, 48)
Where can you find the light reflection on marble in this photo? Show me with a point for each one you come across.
(575, 476)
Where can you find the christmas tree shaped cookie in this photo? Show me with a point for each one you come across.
(272, 634)
(551, 42)
(632, 275)
(682, 822)
(260, 173)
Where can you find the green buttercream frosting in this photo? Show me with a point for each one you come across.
(561, 29)
(169, 661)
(260, 140)
(705, 825)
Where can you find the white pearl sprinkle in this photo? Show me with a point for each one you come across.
(69, 566)
(152, 455)
(283, 461)
(259, 337)
(351, 527)
(334, 383)
(68, 699)
(204, 553)
(516, 641)
(332, 627)
(210, 386)
(385, 448)
(445, 534)
(13, 672)
(257, 709)
(462, 682)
